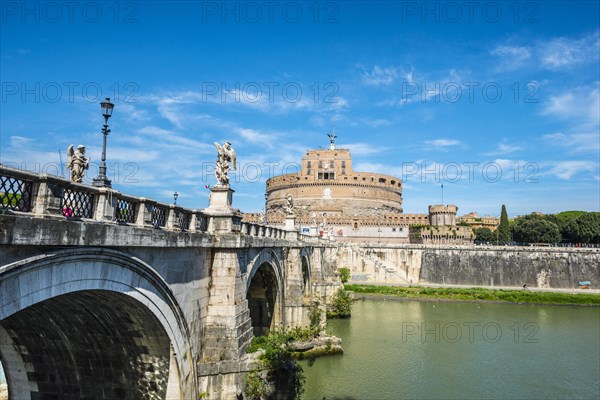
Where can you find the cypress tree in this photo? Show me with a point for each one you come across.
(503, 228)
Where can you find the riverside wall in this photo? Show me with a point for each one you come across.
(543, 267)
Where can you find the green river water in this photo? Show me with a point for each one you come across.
(424, 350)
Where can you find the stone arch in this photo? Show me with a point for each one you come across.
(265, 292)
(305, 258)
(107, 318)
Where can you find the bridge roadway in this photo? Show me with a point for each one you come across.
(110, 296)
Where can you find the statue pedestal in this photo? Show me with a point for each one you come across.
(222, 218)
(291, 233)
(221, 197)
(290, 223)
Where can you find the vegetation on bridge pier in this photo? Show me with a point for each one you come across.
(282, 377)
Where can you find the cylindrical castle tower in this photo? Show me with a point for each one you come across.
(326, 184)
(440, 215)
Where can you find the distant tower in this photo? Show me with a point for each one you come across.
(440, 215)
(332, 140)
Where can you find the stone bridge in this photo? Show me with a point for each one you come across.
(110, 296)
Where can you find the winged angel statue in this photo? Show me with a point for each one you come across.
(226, 154)
(77, 163)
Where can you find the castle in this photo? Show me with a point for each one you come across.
(332, 200)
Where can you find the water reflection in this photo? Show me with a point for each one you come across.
(421, 350)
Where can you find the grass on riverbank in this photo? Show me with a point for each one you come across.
(476, 294)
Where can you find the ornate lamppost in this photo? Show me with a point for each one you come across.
(175, 196)
(265, 216)
(107, 109)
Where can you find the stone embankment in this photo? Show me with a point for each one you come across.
(485, 266)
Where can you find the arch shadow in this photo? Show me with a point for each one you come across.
(98, 298)
(265, 292)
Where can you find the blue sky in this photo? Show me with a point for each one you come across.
(497, 101)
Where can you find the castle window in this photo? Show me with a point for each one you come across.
(320, 164)
(308, 164)
(381, 180)
(326, 175)
(308, 171)
(343, 164)
(343, 171)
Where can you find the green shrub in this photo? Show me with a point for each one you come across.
(341, 305)
(314, 314)
(283, 372)
(344, 274)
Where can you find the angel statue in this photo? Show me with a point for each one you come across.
(225, 155)
(77, 163)
(332, 137)
(289, 205)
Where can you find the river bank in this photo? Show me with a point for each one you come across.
(478, 294)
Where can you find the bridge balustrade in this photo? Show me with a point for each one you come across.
(16, 192)
(25, 192)
(50, 195)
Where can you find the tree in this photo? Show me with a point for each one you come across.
(583, 229)
(503, 228)
(483, 235)
(535, 229)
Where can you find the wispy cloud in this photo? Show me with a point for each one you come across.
(568, 169)
(442, 143)
(576, 142)
(512, 57)
(254, 136)
(379, 76)
(503, 149)
(562, 52)
(552, 54)
(580, 106)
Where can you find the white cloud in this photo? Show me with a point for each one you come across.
(580, 106)
(380, 76)
(553, 54)
(442, 143)
(18, 141)
(377, 123)
(255, 136)
(567, 169)
(576, 142)
(562, 52)
(512, 57)
(133, 113)
(503, 149)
